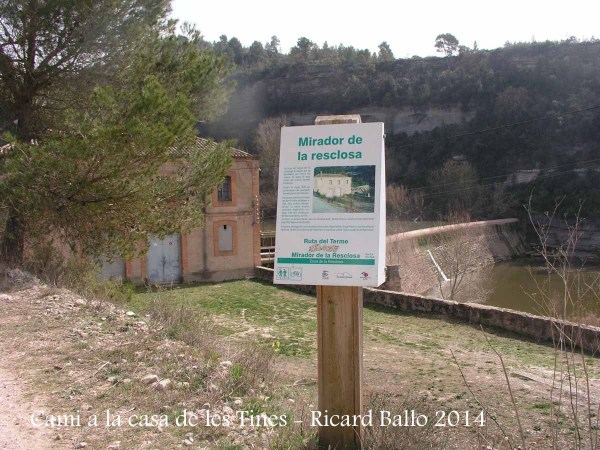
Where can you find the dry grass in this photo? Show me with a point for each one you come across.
(80, 275)
(250, 370)
(403, 437)
(90, 353)
(178, 322)
(249, 365)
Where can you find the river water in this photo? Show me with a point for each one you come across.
(526, 285)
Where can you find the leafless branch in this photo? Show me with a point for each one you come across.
(512, 397)
(487, 412)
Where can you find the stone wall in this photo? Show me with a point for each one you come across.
(535, 327)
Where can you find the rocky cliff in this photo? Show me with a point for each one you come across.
(301, 92)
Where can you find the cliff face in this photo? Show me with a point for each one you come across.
(520, 108)
(247, 112)
(385, 92)
(399, 119)
(560, 232)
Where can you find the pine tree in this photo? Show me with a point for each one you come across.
(96, 97)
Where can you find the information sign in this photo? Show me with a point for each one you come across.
(331, 206)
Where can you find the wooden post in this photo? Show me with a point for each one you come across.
(340, 358)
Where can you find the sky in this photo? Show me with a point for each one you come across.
(409, 27)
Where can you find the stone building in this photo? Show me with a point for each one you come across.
(227, 247)
(332, 184)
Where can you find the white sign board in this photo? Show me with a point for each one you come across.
(331, 206)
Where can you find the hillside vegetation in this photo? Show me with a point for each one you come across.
(427, 101)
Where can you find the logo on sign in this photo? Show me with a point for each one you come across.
(289, 273)
(365, 275)
(283, 273)
(295, 273)
(325, 275)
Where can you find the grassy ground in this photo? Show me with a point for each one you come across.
(287, 320)
(83, 356)
(405, 356)
(284, 319)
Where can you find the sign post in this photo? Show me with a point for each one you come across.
(331, 233)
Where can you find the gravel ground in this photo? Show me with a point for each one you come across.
(16, 430)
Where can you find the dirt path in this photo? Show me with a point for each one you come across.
(16, 430)
(17, 405)
(80, 361)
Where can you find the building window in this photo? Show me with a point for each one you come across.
(224, 191)
(225, 238)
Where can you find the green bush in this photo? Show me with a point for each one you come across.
(81, 275)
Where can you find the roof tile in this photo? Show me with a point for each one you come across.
(206, 144)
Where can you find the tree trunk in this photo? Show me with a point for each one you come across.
(13, 240)
(11, 249)
(24, 123)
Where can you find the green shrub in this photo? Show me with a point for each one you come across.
(78, 274)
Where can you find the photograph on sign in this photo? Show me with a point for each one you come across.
(346, 189)
(331, 206)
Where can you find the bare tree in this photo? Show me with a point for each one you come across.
(456, 187)
(462, 263)
(574, 406)
(562, 296)
(403, 205)
(453, 261)
(268, 139)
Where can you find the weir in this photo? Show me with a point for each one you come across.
(437, 266)
(420, 261)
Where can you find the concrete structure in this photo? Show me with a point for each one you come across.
(227, 247)
(522, 177)
(416, 259)
(332, 184)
